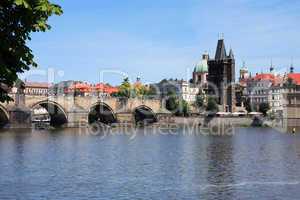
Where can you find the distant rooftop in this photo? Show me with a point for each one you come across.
(38, 84)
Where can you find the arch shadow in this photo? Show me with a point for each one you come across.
(144, 115)
(58, 116)
(4, 117)
(103, 113)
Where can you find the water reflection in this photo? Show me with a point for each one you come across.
(220, 168)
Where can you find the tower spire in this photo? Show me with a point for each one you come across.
(292, 66)
(271, 67)
(221, 50)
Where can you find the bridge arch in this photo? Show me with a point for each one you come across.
(4, 116)
(144, 114)
(58, 115)
(101, 112)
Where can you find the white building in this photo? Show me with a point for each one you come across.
(36, 88)
(189, 92)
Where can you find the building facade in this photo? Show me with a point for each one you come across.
(37, 88)
(266, 88)
(291, 96)
(189, 91)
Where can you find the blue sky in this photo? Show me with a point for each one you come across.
(164, 39)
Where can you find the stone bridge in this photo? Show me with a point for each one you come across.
(70, 111)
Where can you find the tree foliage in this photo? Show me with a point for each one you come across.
(200, 98)
(18, 19)
(183, 108)
(124, 89)
(177, 106)
(247, 104)
(264, 108)
(152, 91)
(172, 102)
(212, 105)
(128, 90)
(289, 83)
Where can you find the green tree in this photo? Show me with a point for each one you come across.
(264, 108)
(212, 105)
(151, 92)
(125, 89)
(172, 102)
(200, 100)
(18, 19)
(289, 83)
(183, 108)
(247, 104)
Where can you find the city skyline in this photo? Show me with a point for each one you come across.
(173, 99)
(136, 38)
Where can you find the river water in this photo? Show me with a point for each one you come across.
(68, 164)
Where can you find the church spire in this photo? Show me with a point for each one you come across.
(271, 67)
(221, 51)
(292, 67)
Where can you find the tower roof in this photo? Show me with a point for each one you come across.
(292, 68)
(221, 50)
(244, 68)
(271, 67)
(201, 67)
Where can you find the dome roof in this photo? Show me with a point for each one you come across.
(201, 67)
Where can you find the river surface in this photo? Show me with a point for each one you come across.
(70, 165)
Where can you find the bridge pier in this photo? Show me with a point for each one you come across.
(77, 119)
(19, 117)
(125, 117)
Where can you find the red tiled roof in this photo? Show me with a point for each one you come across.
(295, 77)
(82, 87)
(86, 87)
(105, 88)
(271, 77)
(264, 77)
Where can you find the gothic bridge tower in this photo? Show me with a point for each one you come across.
(221, 75)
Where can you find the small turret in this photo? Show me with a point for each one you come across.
(292, 66)
(244, 73)
(292, 69)
(271, 67)
(138, 79)
(205, 56)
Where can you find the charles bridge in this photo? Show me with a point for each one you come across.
(75, 111)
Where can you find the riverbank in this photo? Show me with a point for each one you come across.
(192, 123)
(234, 121)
